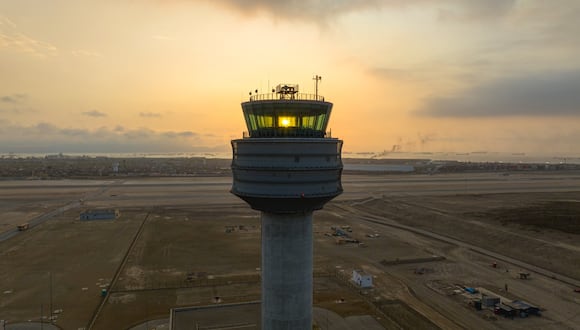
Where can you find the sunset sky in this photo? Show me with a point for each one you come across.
(105, 76)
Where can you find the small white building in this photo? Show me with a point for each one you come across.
(362, 279)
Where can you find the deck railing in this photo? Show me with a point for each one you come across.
(286, 133)
(281, 96)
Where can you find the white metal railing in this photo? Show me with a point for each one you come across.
(282, 96)
(327, 134)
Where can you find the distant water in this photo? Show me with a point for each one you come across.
(476, 156)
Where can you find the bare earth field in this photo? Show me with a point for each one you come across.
(183, 242)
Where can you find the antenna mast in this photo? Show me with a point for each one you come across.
(317, 78)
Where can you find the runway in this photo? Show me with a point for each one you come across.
(184, 191)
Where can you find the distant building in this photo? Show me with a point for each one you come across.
(522, 308)
(489, 300)
(362, 279)
(109, 214)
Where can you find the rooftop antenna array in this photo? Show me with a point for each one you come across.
(317, 78)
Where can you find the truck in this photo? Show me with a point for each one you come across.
(23, 227)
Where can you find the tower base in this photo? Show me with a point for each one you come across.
(287, 271)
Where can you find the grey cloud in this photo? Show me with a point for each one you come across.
(301, 10)
(94, 113)
(13, 98)
(540, 94)
(42, 128)
(14, 103)
(138, 134)
(72, 132)
(436, 71)
(184, 134)
(477, 10)
(150, 115)
(187, 134)
(558, 25)
(321, 11)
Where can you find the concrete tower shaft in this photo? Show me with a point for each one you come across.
(287, 166)
(287, 271)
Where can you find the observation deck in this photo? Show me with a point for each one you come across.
(286, 113)
(287, 163)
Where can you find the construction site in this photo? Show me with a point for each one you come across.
(442, 251)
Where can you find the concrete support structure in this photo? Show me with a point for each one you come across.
(287, 283)
(287, 168)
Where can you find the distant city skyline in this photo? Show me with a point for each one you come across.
(407, 76)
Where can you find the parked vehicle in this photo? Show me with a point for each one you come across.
(23, 227)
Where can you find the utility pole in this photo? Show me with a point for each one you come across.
(317, 78)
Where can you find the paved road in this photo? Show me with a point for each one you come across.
(40, 219)
(58, 211)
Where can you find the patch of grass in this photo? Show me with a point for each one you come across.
(557, 215)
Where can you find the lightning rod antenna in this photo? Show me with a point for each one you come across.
(317, 78)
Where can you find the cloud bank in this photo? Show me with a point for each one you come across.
(14, 103)
(150, 115)
(541, 94)
(322, 11)
(48, 138)
(476, 10)
(94, 113)
(13, 98)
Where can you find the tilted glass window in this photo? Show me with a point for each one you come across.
(288, 119)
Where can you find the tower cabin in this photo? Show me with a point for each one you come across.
(287, 113)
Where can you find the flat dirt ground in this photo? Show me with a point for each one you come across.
(188, 242)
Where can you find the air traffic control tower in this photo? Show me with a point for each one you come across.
(286, 166)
